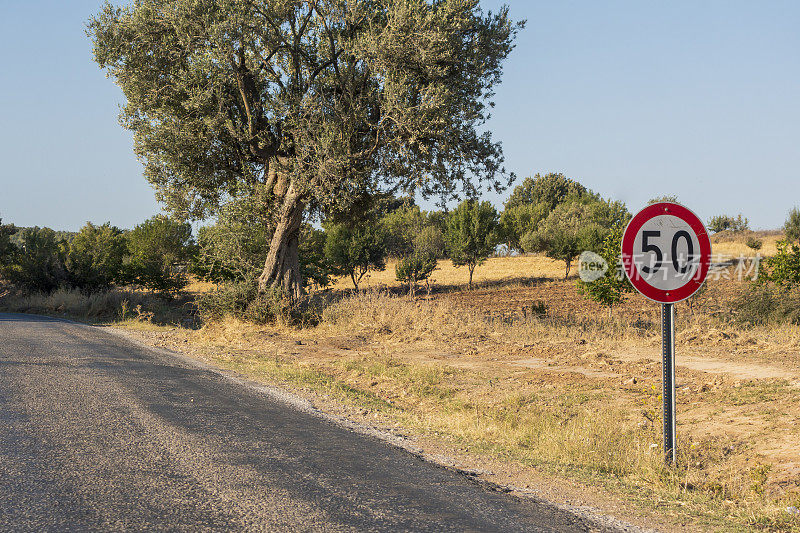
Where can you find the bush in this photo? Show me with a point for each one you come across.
(754, 243)
(161, 252)
(783, 268)
(38, 263)
(94, 257)
(415, 268)
(240, 299)
(725, 222)
(7, 248)
(792, 226)
(610, 289)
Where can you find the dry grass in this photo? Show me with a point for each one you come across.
(574, 394)
(732, 245)
(105, 306)
(495, 270)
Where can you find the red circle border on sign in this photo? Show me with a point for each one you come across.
(638, 282)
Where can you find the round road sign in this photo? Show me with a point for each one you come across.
(666, 252)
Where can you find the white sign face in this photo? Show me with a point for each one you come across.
(666, 252)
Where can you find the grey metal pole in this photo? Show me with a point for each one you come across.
(668, 339)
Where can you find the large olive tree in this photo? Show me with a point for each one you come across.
(305, 105)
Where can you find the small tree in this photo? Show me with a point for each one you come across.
(415, 268)
(355, 250)
(161, 252)
(792, 226)
(611, 288)
(567, 231)
(94, 257)
(724, 222)
(471, 235)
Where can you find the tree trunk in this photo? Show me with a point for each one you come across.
(282, 267)
(471, 270)
(569, 264)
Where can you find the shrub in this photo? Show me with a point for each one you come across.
(240, 299)
(783, 268)
(471, 235)
(415, 268)
(724, 222)
(38, 263)
(610, 289)
(355, 250)
(792, 226)
(161, 252)
(94, 257)
(7, 248)
(754, 243)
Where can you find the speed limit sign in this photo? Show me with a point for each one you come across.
(666, 255)
(666, 252)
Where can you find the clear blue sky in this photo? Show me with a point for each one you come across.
(634, 99)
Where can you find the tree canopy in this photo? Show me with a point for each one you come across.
(306, 104)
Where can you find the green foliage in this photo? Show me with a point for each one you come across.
(38, 264)
(610, 289)
(240, 299)
(94, 257)
(161, 252)
(314, 266)
(354, 250)
(471, 234)
(724, 222)
(319, 101)
(415, 268)
(517, 220)
(753, 243)
(783, 268)
(574, 227)
(235, 247)
(7, 248)
(400, 226)
(430, 241)
(792, 225)
(550, 190)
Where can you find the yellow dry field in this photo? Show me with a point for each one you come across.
(495, 269)
(541, 390)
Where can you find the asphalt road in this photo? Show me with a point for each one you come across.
(99, 433)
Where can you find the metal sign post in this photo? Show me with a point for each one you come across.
(666, 254)
(668, 340)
